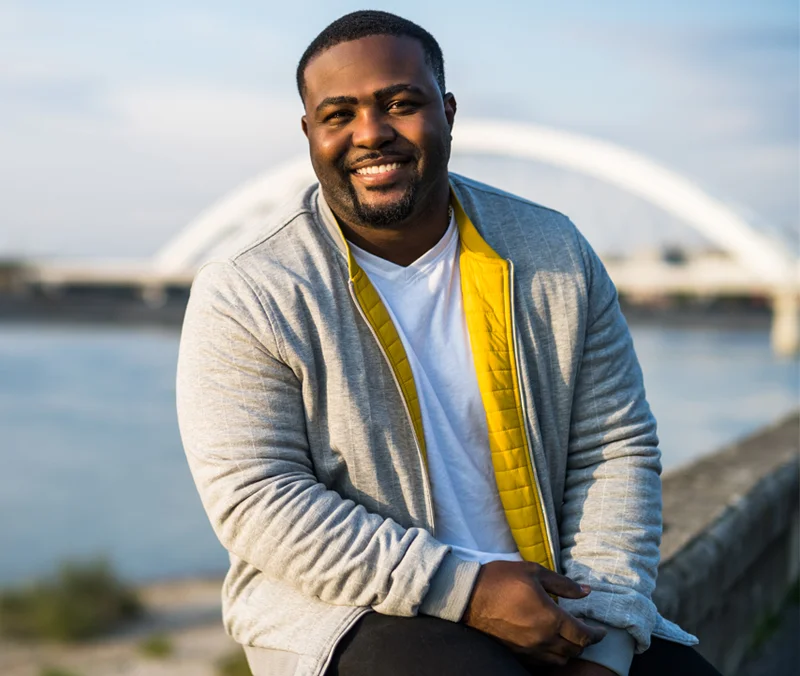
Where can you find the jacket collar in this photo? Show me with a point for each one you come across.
(330, 224)
(471, 240)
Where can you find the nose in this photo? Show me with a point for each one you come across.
(372, 130)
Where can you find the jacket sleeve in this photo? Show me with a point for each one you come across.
(610, 525)
(242, 422)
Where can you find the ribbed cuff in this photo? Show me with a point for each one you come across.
(451, 588)
(614, 652)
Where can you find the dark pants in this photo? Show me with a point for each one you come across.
(381, 645)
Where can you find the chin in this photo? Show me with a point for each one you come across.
(384, 215)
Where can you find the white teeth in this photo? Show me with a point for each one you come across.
(380, 169)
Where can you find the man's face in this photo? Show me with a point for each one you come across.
(378, 129)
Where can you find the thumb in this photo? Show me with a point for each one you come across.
(562, 586)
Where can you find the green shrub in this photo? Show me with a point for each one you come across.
(233, 664)
(81, 601)
(56, 671)
(768, 626)
(157, 646)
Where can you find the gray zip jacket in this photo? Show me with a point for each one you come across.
(302, 430)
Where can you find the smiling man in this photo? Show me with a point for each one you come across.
(387, 183)
(413, 410)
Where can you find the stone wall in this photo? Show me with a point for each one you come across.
(731, 550)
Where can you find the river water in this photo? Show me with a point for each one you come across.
(92, 462)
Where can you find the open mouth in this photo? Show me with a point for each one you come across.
(382, 176)
(378, 169)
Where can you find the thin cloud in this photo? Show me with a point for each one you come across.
(205, 118)
(722, 108)
(114, 139)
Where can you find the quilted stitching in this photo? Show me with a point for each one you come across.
(381, 322)
(485, 285)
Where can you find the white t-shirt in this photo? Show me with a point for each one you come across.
(424, 301)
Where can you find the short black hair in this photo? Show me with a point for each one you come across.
(363, 24)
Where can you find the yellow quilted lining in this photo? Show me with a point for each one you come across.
(384, 328)
(486, 289)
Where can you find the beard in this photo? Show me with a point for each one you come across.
(387, 215)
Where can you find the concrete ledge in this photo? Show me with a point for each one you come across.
(730, 546)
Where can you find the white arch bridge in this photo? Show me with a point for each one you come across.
(755, 264)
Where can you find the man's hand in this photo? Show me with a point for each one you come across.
(510, 602)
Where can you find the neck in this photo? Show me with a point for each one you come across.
(407, 241)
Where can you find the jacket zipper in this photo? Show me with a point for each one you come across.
(425, 478)
(525, 419)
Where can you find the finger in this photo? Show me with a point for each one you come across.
(580, 633)
(557, 646)
(561, 585)
(568, 626)
(561, 646)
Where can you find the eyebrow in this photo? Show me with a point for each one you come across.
(336, 101)
(383, 93)
(391, 90)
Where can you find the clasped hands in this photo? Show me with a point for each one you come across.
(511, 602)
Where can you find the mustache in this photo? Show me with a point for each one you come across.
(345, 164)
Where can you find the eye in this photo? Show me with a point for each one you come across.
(338, 116)
(401, 106)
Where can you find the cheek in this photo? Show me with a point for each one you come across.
(427, 136)
(327, 148)
(415, 130)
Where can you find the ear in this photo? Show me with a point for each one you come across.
(450, 109)
(304, 125)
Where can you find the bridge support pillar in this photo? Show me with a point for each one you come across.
(154, 295)
(786, 322)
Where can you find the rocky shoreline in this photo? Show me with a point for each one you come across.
(185, 613)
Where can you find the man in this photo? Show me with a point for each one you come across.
(413, 401)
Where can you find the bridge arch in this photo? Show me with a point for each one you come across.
(236, 218)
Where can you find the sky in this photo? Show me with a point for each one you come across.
(120, 122)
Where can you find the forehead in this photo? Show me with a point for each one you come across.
(360, 67)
